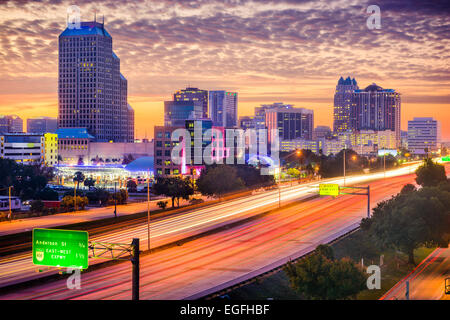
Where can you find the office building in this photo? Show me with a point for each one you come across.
(375, 108)
(223, 108)
(177, 112)
(42, 125)
(292, 123)
(342, 104)
(11, 124)
(92, 92)
(195, 95)
(321, 132)
(424, 135)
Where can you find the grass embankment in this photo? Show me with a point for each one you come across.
(355, 246)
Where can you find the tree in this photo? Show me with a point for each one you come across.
(78, 178)
(89, 182)
(131, 186)
(407, 188)
(162, 204)
(174, 187)
(320, 276)
(68, 202)
(219, 180)
(47, 194)
(37, 206)
(410, 220)
(121, 196)
(430, 174)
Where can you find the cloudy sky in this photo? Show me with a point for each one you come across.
(291, 51)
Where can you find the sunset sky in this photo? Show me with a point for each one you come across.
(268, 51)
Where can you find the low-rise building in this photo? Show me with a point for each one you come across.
(29, 148)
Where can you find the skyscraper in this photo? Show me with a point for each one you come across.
(92, 91)
(342, 104)
(42, 125)
(375, 108)
(193, 94)
(177, 112)
(223, 108)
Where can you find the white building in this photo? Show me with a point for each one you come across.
(424, 135)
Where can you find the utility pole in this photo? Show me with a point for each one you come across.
(279, 189)
(115, 200)
(10, 211)
(344, 167)
(135, 262)
(384, 164)
(368, 201)
(148, 209)
(75, 197)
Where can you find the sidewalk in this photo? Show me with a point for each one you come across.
(27, 224)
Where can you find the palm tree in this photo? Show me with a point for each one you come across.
(78, 178)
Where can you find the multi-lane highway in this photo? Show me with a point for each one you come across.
(212, 262)
(426, 281)
(19, 268)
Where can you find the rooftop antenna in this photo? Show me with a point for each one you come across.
(95, 15)
(103, 20)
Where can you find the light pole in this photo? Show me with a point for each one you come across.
(9, 197)
(148, 209)
(115, 200)
(384, 164)
(344, 167)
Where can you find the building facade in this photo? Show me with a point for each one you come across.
(92, 93)
(177, 112)
(292, 123)
(378, 109)
(30, 148)
(11, 124)
(223, 108)
(424, 135)
(342, 104)
(195, 95)
(42, 125)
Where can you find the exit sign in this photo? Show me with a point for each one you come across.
(446, 159)
(60, 248)
(328, 189)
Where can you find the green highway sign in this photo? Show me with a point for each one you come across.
(328, 189)
(60, 248)
(446, 159)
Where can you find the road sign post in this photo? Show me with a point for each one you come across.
(60, 248)
(328, 189)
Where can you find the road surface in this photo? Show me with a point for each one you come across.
(426, 281)
(19, 267)
(216, 261)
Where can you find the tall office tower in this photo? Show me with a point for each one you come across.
(223, 108)
(177, 112)
(193, 94)
(292, 123)
(342, 104)
(92, 91)
(11, 124)
(42, 125)
(424, 135)
(375, 108)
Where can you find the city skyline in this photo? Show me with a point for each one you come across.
(254, 48)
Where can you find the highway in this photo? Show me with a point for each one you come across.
(426, 281)
(18, 268)
(216, 261)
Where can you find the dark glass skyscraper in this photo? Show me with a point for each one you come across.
(342, 104)
(223, 108)
(193, 94)
(92, 91)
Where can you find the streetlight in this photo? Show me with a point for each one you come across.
(344, 165)
(115, 200)
(148, 208)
